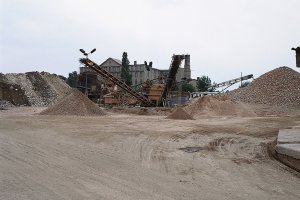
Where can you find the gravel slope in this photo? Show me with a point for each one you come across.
(279, 87)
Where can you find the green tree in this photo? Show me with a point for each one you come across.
(125, 72)
(62, 77)
(187, 87)
(72, 79)
(202, 83)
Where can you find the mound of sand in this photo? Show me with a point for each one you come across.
(74, 103)
(218, 106)
(179, 113)
(279, 87)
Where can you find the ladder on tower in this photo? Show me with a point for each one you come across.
(94, 66)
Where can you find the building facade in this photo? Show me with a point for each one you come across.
(140, 73)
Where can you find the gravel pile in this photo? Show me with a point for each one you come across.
(279, 87)
(179, 113)
(5, 104)
(74, 103)
(40, 89)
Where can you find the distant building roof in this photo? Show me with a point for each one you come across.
(117, 60)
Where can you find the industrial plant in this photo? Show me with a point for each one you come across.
(146, 137)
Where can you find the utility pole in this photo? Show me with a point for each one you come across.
(241, 79)
(86, 89)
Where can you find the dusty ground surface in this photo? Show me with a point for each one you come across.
(121, 156)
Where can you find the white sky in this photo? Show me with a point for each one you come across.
(223, 37)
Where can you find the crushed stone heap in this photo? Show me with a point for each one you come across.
(279, 87)
(211, 106)
(37, 89)
(179, 113)
(74, 103)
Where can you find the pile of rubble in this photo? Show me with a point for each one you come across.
(279, 87)
(74, 103)
(33, 88)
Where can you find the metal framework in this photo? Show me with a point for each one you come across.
(175, 63)
(94, 66)
(231, 82)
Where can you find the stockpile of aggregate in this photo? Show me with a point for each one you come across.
(219, 105)
(11, 93)
(74, 103)
(5, 104)
(179, 113)
(279, 87)
(39, 89)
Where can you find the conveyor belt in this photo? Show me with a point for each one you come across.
(88, 63)
(175, 64)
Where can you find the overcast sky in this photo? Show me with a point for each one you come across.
(223, 37)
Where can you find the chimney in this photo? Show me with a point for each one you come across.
(135, 63)
(187, 66)
(187, 61)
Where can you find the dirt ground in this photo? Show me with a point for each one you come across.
(126, 156)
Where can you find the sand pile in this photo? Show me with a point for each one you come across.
(218, 106)
(179, 113)
(279, 87)
(74, 103)
(37, 89)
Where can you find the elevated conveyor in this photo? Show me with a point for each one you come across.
(94, 66)
(175, 64)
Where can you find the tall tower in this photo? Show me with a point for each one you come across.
(187, 66)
